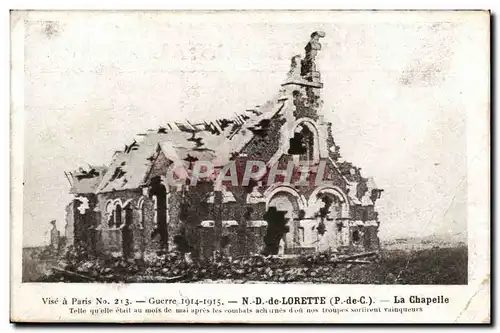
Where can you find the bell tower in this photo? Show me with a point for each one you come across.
(308, 135)
(303, 81)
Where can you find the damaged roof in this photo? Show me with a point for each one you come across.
(215, 141)
(86, 181)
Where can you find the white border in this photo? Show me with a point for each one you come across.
(92, 4)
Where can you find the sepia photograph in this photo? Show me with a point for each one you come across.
(247, 147)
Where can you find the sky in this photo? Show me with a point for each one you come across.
(399, 89)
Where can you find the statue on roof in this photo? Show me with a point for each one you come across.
(308, 68)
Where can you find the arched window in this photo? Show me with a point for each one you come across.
(111, 219)
(155, 217)
(142, 213)
(158, 192)
(110, 215)
(129, 218)
(118, 215)
(308, 142)
(303, 143)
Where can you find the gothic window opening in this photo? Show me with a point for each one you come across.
(160, 210)
(111, 215)
(308, 142)
(118, 215)
(126, 231)
(159, 197)
(142, 214)
(111, 219)
(155, 217)
(158, 194)
(128, 215)
(302, 143)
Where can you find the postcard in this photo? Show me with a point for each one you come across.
(250, 166)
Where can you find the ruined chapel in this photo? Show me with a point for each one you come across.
(129, 208)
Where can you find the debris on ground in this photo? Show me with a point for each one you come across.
(173, 267)
(384, 267)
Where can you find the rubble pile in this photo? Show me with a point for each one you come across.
(176, 267)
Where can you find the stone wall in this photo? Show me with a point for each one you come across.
(110, 238)
(241, 239)
(84, 219)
